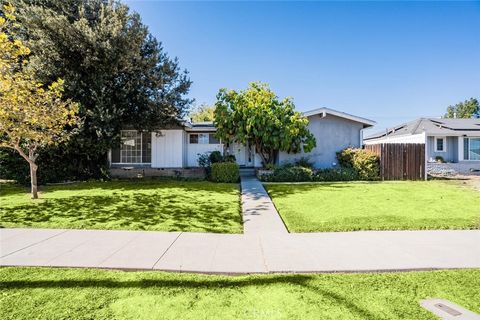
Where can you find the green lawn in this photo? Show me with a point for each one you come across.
(401, 205)
(99, 294)
(166, 205)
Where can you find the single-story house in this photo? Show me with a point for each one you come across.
(179, 147)
(454, 141)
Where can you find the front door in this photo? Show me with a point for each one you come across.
(239, 151)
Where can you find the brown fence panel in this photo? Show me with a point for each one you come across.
(400, 161)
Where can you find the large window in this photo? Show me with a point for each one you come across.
(135, 148)
(471, 149)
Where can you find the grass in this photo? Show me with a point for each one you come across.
(165, 205)
(99, 294)
(401, 205)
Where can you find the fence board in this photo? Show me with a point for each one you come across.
(400, 161)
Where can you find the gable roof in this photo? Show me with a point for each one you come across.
(431, 126)
(324, 111)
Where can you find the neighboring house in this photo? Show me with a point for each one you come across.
(178, 147)
(456, 141)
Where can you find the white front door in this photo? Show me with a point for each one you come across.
(239, 151)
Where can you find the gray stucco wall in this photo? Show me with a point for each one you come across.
(332, 134)
(451, 154)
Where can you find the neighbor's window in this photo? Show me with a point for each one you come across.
(193, 138)
(440, 144)
(471, 148)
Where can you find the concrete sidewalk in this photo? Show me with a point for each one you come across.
(236, 253)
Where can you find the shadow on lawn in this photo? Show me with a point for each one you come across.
(135, 211)
(303, 281)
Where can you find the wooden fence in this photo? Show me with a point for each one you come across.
(400, 161)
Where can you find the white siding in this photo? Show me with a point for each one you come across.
(167, 149)
(194, 150)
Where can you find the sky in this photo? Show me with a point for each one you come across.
(387, 61)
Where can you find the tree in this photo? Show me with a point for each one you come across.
(117, 71)
(203, 113)
(467, 109)
(32, 115)
(257, 116)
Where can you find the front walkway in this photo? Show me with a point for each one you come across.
(235, 253)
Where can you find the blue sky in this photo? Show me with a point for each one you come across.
(387, 61)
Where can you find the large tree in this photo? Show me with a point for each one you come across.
(111, 64)
(32, 115)
(203, 113)
(466, 109)
(258, 117)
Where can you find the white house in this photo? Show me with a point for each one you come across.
(179, 147)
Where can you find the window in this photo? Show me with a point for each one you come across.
(199, 138)
(135, 148)
(213, 139)
(440, 144)
(471, 149)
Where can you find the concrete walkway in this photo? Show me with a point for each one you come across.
(259, 214)
(236, 253)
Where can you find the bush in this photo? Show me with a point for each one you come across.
(439, 159)
(216, 156)
(365, 163)
(229, 158)
(225, 172)
(335, 174)
(304, 162)
(289, 173)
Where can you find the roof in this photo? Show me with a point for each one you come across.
(325, 111)
(431, 126)
(201, 126)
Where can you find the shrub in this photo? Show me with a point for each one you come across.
(335, 174)
(289, 173)
(439, 159)
(229, 158)
(216, 156)
(225, 172)
(304, 162)
(204, 160)
(365, 163)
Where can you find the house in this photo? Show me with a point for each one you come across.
(175, 150)
(453, 141)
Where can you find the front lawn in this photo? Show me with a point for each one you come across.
(100, 294)
(399, 205)
(165, 205)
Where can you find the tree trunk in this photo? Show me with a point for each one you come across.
(33, 179)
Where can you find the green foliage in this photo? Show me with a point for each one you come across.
(364, 162)
(229, 158)
(257, 116)
(13, 167)
(335, 174)
(289, 173)
(203, 113)
(204, 160)
(112, 66)
(304, 162)
(228, 172)
(216, 156)
(439, 159)
(466, 109)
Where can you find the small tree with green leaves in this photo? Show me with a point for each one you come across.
(464, 110)
(258, 117)
(203, 113)
(31, 115)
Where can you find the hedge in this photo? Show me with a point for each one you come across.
(364, 162)
(225, 172)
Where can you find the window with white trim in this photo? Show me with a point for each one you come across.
(135, 148)
(440, 144)
(203, 138)
(471, 149)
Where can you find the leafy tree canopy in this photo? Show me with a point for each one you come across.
(112, 66)
(466, 109)
(31, 115)
(203, 113)
(257, 116)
